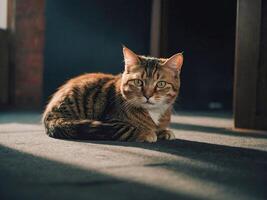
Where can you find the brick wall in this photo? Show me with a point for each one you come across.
(26, 26)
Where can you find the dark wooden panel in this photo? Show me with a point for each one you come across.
(261, 108)
(250, 109)
(3, 68)
(155, 32)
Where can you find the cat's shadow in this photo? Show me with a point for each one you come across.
(206, 152)
(193, 149)
(227, 165)
(242, 170)
(196, 149)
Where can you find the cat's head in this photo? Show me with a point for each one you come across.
(149, 82)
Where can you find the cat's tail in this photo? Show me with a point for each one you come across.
(89, 129)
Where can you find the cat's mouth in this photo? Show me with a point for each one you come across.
(149, 103)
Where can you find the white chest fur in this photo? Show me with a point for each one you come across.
(156, 114)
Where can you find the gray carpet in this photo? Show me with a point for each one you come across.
(207, 160)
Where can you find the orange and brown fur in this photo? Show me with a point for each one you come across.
(133, 106)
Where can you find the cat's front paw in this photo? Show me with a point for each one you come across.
(146, 137)
(166, 135)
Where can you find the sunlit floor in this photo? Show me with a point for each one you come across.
(207, 160)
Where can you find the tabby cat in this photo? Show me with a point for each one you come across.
(133, 106)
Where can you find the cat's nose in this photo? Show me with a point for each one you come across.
(147, 96)
(147, 93)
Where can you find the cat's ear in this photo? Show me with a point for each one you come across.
(130, 58)
(175, 62)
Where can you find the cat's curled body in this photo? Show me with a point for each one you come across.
(133, 106)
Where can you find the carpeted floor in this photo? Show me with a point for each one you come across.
(207, 160)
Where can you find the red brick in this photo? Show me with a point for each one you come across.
(29, 7)
(29, 24)
(29, 45)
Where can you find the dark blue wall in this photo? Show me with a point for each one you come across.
(205, 31)
(86, 36)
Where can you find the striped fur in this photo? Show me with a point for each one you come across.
(107, 107)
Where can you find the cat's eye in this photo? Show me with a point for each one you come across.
(161, 84)
(138, 82)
